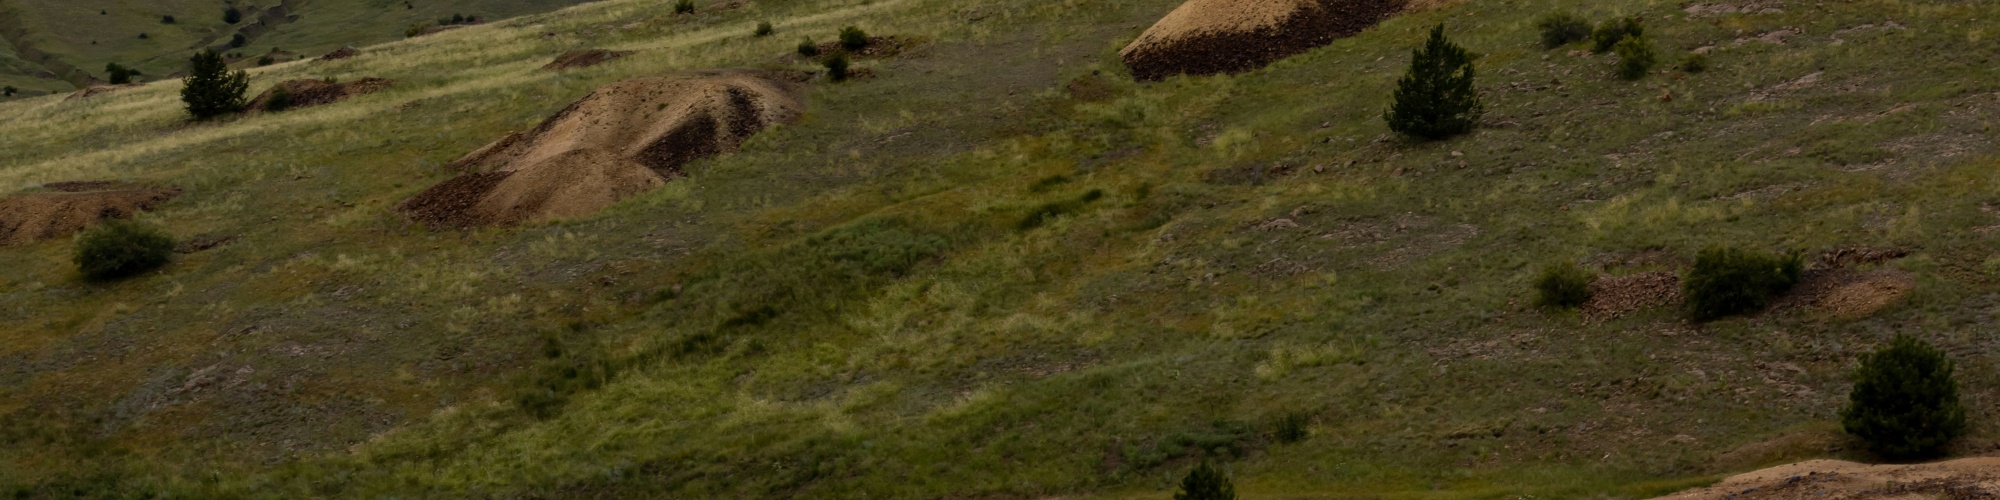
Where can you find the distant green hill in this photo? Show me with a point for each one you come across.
(55, 46)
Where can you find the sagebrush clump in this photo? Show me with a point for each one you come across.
(1205, 482)
(684, 7)
(1635, 57)
(119, 248)
(852, 38)
(1905, 403)
(117, 74)
(1563, 28)
(764, 29)
(1563, 285)
(281, 99)
(1728, 281)
(1436, 100)
(1611, 32)
(210, 89)
(807, 48)
(836, 67)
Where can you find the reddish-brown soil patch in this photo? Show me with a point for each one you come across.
(1615, 296)
(1969, 478)
(1205, 37)
(97, 90)
(32, 217)
(307, 93)
(584, 59)
(341, 53)
(878, 46)
(621, 140)
(1847, 294)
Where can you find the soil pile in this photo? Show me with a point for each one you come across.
(584, 59)
(1841, 480)
(318, 92)
(621, 140)
(343, 53)
(95, 90)
(32, 217)
(1204, 37)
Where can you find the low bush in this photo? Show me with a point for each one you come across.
(684, 7)
(852, 38)
(1611, 32)
(118, 249)
(1563, 285)
(836, 67)
(281, 99)
(1635, 57)
(1563, 28)
(1905, 403)
(238, 40)
(807, 48)
(266, 61)
(232, 15)
(1728, 281)
(1693, 63)
(1293, 427)
(764, 29)
(117, 74)
(166, 19)
(1205, 482)
(9, 91)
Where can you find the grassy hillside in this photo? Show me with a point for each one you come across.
(999, 268)
(89, 34)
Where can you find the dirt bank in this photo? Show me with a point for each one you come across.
(1204, 37)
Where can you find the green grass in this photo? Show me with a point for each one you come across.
(742, 341)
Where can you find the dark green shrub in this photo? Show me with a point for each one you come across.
(210, 89)
(9, 91)
(266, 61)
(415, 29)
(166, 19)
(142, 36)
(852, 38)
(117, 74)
(1693, 63)
(1905, 402)
(684, 7)
(1292, 428)
(1436, 100)
(231, 15)
(1635, 57)
(238, 40)
(836, 66)
(1563, 28)
(1728, 281)
(807, 48)
(1611, 32)
(1563, 285)
(118, 248)
(281, 99)
(764, 29)
(1205, 482)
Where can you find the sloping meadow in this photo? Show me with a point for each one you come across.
(963, 277)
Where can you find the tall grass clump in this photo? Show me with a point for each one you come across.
(1563, 28)
(1205, 482)
(1436, 100)
(1563, 285)
(119, 248)
(1728, 281)
(210, 89)
(1635, 57)
(1613, 31)
(852, 38)
(1905, 403)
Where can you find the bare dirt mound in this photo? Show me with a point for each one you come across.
(584, 59)
(1841, 480)
(1615, 296)
(621, 140)
(1205, 37)
(96, 90)
(318, 92)
(1847, 294)
(32, 217)
(342, 53)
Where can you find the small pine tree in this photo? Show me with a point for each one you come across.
(1563, 285)
(1436, 100)
(1635, 57)
(764, 29)
(120, 248)
(231, 15)
(852, 38)
(1611, 32)
(1728, 281)
(1905, 403)
(1205, 482)
(836, 66)
(684, 7)
(117, 74)
(807, 48)
(1563, 28)
(210, 89)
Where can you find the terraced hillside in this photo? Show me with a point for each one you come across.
(59, 46)
(992, 265)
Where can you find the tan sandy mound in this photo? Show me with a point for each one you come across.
(584, 59)
(96, 90)
(1204, 37)
(1841, 480)
(318, 92)
(621, 140)
(32, 217)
